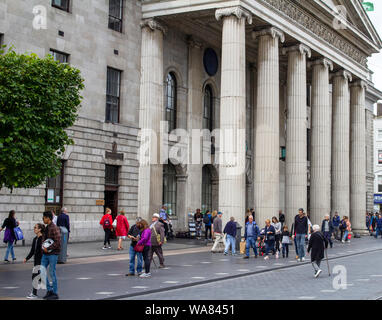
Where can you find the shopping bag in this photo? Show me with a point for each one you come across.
(18, 233)
(242, 247)
(349, 236)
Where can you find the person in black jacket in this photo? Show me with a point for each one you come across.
(327, 229)
(10, 224)
(301, 231)
(36, 251)
(316, 244)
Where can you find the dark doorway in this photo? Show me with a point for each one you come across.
(111, 201)
(111, 191)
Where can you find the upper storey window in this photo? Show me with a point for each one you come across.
(115, 15)
(61, 4)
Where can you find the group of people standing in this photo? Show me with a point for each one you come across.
(374, 223)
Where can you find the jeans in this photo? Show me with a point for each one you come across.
(316, 265)
(328, 236)
(346, 233)
(300, 241)
(285, 249)
(230, 242)
(107, 237)
(377, 232)
(219, 238)
(269, 246)
(132, 254)
(146, 258)
(51, 261)
(251, 242)
(9, 250)
(208, 228)
(336, 231)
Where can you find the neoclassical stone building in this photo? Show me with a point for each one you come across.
(289, 78)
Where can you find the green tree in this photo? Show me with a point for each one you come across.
(39, 99)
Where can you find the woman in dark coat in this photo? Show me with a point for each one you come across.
(317, 242)
(10, 224)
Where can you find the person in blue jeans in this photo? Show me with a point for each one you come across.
(301, 231)
(270, 235)
(336, 220)
(133, 234)
(230, 230)
(251, 233)
(379, 226)
(51, 250)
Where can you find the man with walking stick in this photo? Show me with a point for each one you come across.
(317, 243)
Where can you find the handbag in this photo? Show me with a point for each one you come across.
(139, 247)
(18, 233)
(114, 224)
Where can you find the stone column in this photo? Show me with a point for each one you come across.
(232, 113)
(150, 115)
(341, 143)
(357, 156)
(321, 141)
(296, 179)
(267, 140)
(181, 209)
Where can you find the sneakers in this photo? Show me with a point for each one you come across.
(161, 266)
(225, 253)
(343, 241)
(53, 296)
(317, 273)
(6, 260)
(109, 247)
(32, 296)
(139, 273)
(48, 294)
(104, 248)
(245, 257)
(14, 259)
(145, 275)
(302, 259)
(266, 258)
(277, 255)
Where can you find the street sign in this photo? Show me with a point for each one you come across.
(369, 6)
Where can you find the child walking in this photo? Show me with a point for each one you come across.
(285, 242)
(36, 251)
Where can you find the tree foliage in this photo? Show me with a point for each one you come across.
(39, 99)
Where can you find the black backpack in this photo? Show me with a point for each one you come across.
(206, 219)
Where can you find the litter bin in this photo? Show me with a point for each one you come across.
(64, 245)
(238, 236)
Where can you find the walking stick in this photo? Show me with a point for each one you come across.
(327, 261)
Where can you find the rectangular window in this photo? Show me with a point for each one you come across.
(115, 15)
(308, 95)
(61, 4)
(379, 134)
(379, 156)
(111, 175)
(379, 183)
(59, 56)
(54, 191)
(112, 95)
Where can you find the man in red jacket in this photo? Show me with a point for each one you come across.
(107, 224)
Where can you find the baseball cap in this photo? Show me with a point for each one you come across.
(156, 215)
(220, 212)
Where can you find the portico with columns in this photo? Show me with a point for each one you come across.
(282, 82)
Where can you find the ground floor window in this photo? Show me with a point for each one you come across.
(54, 191)
(169, 188)
(206, 189)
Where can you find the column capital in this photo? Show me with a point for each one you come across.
(153, 24)
(304, 50)
(194, 43)
(343, 73)
(239, 12)
(322, 61)
(359, 83)
(272, 31)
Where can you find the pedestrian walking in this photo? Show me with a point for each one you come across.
(285, 242)
(134, 234)
(293, 235)
(327, 229)
(336, 220)
(63, 220)
(122, 228)
(107, 224)
(36, 252)
(198, 218)
(373, 222)
(347, 230)
(157, 239)
(251, 234)
(342, 227)
(301, 227)
(270, 234)
(317, 243)
(367, 220)
(9, 225)
(378, 229)
(51, 249)
(145, 242)
(277, 225)
(230, 231)
(207, 220)
(217, 231)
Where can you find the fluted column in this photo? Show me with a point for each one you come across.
(150, 115)
(341, 143)
(296, 179)
(357, 156)
(232, 114)
(321, 129)
(267, 143)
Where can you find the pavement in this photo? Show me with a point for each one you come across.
(193, 272)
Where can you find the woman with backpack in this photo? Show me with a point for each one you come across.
(107, 224)
(144, 244)
(10, 224)
(36, 251)
(122, 228)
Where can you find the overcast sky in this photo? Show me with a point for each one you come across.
(375, 62)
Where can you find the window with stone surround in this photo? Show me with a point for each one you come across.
(171, 89)
(379, 183)
(206, 189)
(54, 191)
(115, 15)
(208, 108)
(59, 56)
(169, 188)
(113, 85)
(61, 4)
(111, 175)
